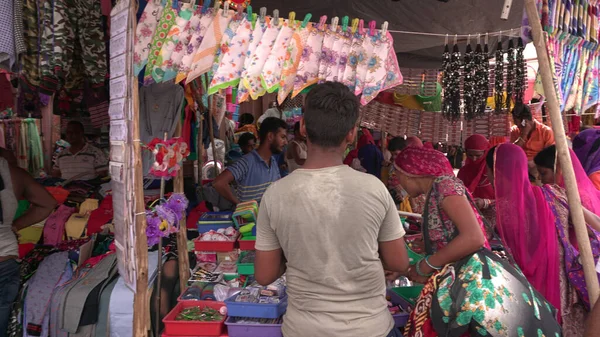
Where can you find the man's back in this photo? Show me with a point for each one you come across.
(328, 223)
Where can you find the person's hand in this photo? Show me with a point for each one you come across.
(391, 275)
(480, 203)
(415, 277)
(526, 129)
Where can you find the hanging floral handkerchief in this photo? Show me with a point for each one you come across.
(228, 35)
(330, 72)
(175, 33)
(259, 30)
(308, 69)
(195, 41)
(251, 77)
(271, 72)
(229, 72)
(144, 33)
(364, 57)
(205, 55)
(166, 22)
(577, 91)
(172, 67)
(382, 69)
(349, 78)
(591, 92)
(327, 54)
(292, 61)
(347, 41)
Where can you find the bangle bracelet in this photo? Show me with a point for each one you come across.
(430, 265)
(418, 269)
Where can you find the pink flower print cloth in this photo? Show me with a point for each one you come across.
(205, 55)
(144, 33)
(257, 34)
(330, 72)
(175, 33)
(292, 61)
(308, 69)
(382, 70)
(224, 44)
(197, 36)
(229, 72)
(344, 54)
(164, 26)
(349, 78)
(364, 55)
(327, 54)
(171, 70)
(271, 72)
(251, 77)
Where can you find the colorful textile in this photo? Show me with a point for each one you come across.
(197, 37)
(257, 34)
(421, 161)
(308, 69)
(167, 20)
(271, 72)
(586, 146)
(54, 227)
(163, 61)
(474, 173)
(204, 57)
(327, 59)
(146, 27)
(293, 56)
(541, 137)
(331, 72)
(365, 57)
(251, 77)
(228, 35)
(172, 67)
(349, 78)
(383, 71)
(586, 186)
(230, 68)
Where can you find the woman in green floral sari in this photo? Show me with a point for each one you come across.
(469, 291)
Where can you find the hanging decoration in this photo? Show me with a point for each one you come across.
(520, 73)
(168, 156)
(483, 77)
(451, 104)
(510, 74)
(469, 82)
(163, 220)
(499, 79)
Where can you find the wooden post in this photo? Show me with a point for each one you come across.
(211, 133)
(183, 258)
(564, 157)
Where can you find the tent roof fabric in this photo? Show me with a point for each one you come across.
(430, 16)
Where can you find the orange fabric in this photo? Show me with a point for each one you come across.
(540, 138)
(595, 178)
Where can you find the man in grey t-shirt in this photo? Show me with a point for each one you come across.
(332, 230)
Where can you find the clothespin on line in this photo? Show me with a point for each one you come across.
(205, 6)
(225, 9)
(384, 27)
(372, 26)
(276, 17)
(345, 20)
(334, 23)
(291, 19)
(217, 6)
(306, 20)
(354, 25)
(361, 27)
(249, 13)
(263, 14)
(322, 22)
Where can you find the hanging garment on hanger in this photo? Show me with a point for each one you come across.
(224, 45)
(204, 57)
(259, 30)
(229, 71)
(308, 69)
(195, 42)
(29, 59)
(293, 56)
(175, 34)
(271, 72)
(172, 67)
(167, 20)
(144, 34)
(251, 78)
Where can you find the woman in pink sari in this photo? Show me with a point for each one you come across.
(533, 222)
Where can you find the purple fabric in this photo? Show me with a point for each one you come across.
(572, 263)
(55, 225)
(582, 146)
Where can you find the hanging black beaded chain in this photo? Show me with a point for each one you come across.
(499, 80)
(520, 73)
(469, 83)
(482, 78)
(446, 72)
(510, 74)
(452, 101)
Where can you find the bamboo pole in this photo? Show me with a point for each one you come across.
(211, 132)
(564, 157)
(183, 258)
(160, 264)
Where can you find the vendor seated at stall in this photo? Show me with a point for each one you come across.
(256, 170)
(81, 161)
(247, 143)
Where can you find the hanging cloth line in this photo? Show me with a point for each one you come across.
(507, 32)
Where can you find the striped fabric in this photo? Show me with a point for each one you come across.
(253, 175)
(84, 165)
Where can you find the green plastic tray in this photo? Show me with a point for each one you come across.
(409, 294)
(245, 268)
(413, 257)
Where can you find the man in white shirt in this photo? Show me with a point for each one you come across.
(332, 229)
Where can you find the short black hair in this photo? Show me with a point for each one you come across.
(297, 127)
(489, 159)
(546, 158)
(397, 144)
(522, 111)
(245, 138)
(246, 119)
(270, 125)
(330, 112)
(77, 124)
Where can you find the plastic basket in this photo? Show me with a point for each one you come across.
(409, 294)
(413, 257)
(400, 319)
(247, 244)
(191, 328)
(213, 246)
(214, 221)
(252, 330)
(245, 268)
(256, 310)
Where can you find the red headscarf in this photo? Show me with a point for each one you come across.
(365, 139)
(420, 161)
(414, 142)
(474, 173)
